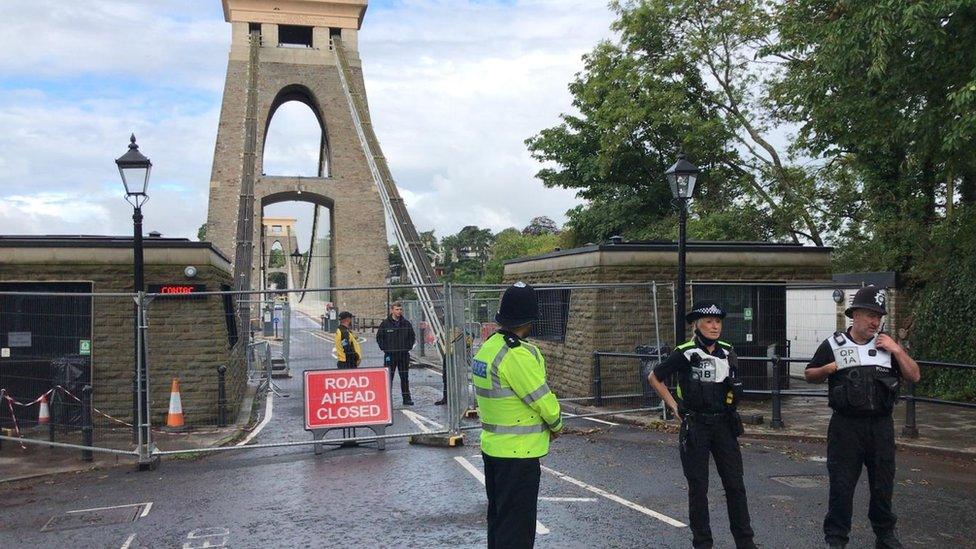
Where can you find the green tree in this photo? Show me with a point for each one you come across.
(276, 259)
(202, 232)
(684, 77)
(885, 92)
(512, 243)
(466, 253)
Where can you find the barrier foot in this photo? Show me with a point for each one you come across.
(148, 464)
(471, 413)
(441, 441)
(910, 432)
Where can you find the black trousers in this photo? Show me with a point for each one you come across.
(399, 362)
(512, 485)
(853, 443)
(700, 436)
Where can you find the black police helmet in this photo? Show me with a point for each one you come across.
(344, 315)
(519, 306)
(703, 309)
(871, 298)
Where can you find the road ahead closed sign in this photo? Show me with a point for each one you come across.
(347, 398)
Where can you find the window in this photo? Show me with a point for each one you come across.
(254, 28)
(294, 36)
(553, 315)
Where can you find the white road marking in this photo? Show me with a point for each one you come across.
(268, 409)
(557, 498)
(128, 542)
(540, 528)
(615, 498)
(595, 420)
(413, 417)
(144, 512)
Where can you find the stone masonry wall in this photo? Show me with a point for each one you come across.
(618, 319)
(186, 339)
(360, 255)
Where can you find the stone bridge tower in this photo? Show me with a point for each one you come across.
(281, 51)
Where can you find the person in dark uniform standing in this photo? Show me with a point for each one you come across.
(395, 337)
(863, 368)
(708, 391)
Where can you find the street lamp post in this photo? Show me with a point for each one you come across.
(134, 169)
(682, 177)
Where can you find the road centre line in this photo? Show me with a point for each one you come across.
(128, 542)
(540, 528)
(615, 498)
(268, 410)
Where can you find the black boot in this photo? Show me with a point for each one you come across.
(407, 401)
(888, 541)
(441, 402)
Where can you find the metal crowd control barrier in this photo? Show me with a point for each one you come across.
(776, 392)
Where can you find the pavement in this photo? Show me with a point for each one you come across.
(942, 429)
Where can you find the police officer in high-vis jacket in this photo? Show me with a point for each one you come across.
(709, 389)
(863, 368)
(519, 414)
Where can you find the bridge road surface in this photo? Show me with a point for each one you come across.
(604, 486)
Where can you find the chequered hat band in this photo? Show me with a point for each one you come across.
(710, 310)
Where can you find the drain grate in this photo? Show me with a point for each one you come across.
(84, 519)
(802, 481)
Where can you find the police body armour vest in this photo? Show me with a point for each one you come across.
(711, 384)
(865, 382)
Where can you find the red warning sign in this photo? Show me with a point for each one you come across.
(347, 398)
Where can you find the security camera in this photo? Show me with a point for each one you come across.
(190, 271)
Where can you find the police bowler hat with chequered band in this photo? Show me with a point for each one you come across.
(871, 298)
(519, 306)
(703, 309)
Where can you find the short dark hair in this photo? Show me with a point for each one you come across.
(396, 304)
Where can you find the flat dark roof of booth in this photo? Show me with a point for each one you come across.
(667, 245)
(96, 241)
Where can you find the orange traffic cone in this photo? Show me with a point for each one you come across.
(174, 420)
(44, 414)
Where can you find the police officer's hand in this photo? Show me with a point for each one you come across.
(675, 412)
(885, 342)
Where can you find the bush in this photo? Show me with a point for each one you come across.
(945, 307)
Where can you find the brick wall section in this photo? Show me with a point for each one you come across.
(621, 318)
(186, 339)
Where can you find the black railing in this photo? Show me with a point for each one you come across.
(776, 391)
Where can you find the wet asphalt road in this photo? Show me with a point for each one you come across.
(605, 486)
(409, 496)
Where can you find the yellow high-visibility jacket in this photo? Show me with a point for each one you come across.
(517, 408)
(344, 344)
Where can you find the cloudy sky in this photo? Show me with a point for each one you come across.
(455, 87)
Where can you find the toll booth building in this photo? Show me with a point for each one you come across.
(72, 341)
(750, 280)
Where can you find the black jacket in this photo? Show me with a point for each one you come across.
(395, 336)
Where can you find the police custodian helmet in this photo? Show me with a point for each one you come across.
(703, 309)
(871, 298)
(518, 306)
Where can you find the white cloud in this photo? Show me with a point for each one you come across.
(454, 87)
